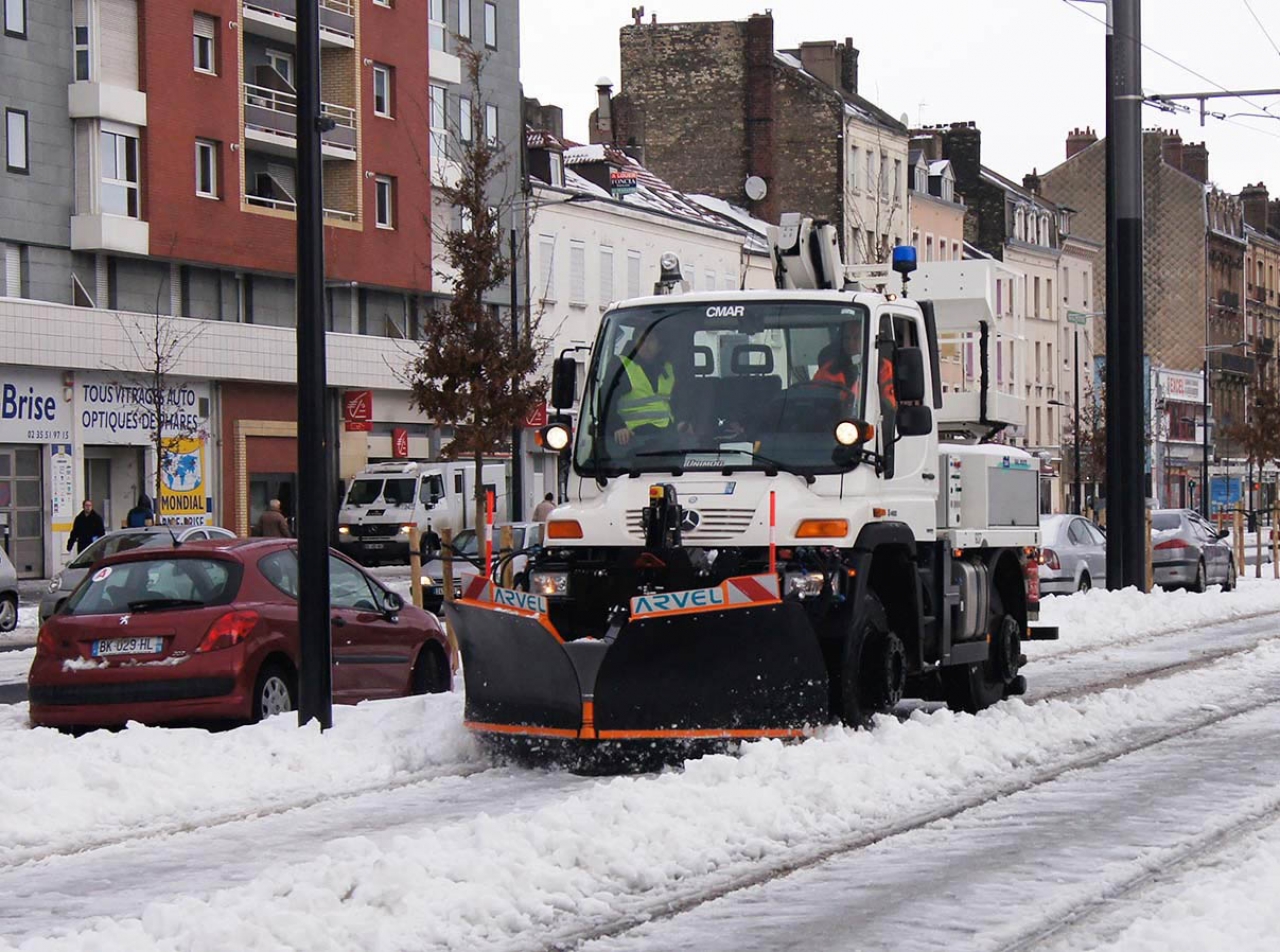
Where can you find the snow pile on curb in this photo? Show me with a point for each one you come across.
(61, 791)
(1099, 617)
(631, 846)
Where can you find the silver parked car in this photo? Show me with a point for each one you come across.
(1186, 551)
(8, 593)
(1073, 555)
(121, 540)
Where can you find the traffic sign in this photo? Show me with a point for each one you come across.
(1077, 317)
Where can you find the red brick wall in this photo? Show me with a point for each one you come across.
(266, 454)
(183, 105)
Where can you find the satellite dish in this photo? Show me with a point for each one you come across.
(905, 120)
(756, 188)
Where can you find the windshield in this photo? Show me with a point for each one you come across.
(363, 492)
(758, 385)
(1164, 521)
(156, 584)
(464, 543)
(118, 542)
(399, 492)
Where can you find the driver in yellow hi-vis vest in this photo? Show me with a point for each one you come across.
(647, 378)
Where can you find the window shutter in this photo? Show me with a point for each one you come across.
(12, 270)
(606, 275)
(546, 262)
(118, 20)
(284, 178)
(577, 272)
(203, 26)
(633, 274)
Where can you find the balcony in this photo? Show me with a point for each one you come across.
(278, 19)
(271, 123)
(291, 207)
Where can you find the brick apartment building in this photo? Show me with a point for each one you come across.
(710, 105)
(150, 175)
(1262, 294)
(1194, 288)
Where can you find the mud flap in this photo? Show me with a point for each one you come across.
(729, 662)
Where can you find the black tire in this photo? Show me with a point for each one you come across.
(1086, 583)
(429, 674)
(873, 669)
(1201, 583)
(975, 687)
(8, 612)
(1230, 584)
(275, 691)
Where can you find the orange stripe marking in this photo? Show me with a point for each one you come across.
(521, 729)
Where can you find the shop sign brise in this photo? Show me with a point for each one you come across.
(31, 407)
(183, 496)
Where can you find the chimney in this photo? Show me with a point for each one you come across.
(1171, 149)
(1079, 140)
(820, 59)
(760, 113)
(1195, 161)
(1032, 182)
(849, 67)
(1257, 204)
(962, 144)
(604, 109)
(929, 141)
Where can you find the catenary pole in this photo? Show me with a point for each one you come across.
(314, 513)
(517, 458)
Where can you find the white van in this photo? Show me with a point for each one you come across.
(386, 499)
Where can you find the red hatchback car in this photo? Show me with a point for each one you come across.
(208, 631)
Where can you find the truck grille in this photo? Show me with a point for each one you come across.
(375, 531)
(715, 524)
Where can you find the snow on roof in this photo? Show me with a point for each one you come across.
(940, 167)
(574, 153)
(757, 230)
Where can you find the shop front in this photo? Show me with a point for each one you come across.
(35, 443)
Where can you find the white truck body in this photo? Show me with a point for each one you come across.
(384, 500)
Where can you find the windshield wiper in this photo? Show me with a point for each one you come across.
(772, 466)
(155, 604)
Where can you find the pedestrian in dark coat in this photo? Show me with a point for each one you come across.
(143, 514)
(86, 529)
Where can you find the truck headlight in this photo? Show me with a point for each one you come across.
(549, 584)
(404, 530)
(344, 530)
(806, 584)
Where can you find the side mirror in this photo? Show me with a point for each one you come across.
(1221, 534)
(915, 421)
(564, 382)
(392, 603)
(909, 375)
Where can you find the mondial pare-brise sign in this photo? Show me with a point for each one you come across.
(31, 407)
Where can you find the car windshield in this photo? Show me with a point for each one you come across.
(118, 542)
(464, 543)
(156, 584)
(1164, 521)
(399, 492)
(364, 491)
(744, 386)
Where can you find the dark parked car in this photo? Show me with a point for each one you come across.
(209, 632)
(1186, 551)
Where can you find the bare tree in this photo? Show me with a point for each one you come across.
(168, 409)
(871, 238)
(470, 370)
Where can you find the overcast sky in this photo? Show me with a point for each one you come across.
(1026, 71)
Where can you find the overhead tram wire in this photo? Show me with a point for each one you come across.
(1258, 20)
(1168, 59)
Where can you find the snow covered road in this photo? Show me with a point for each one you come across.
(510, 859)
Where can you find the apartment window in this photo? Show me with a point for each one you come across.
(16, 150)
(869, 182)
(1037, 297)
(884, 175)
(577, 272)
(557, 169)
(80, 33)
(282, 63)
(1037, 361)
(546, 265)
(853, 169)
(15, 18)
(437, 108)
(1052, 371)
(1048, 297)
(606, 274)
(491, 25)
(436, 28)
(119, 174)
(633, 274)
(955, 251)
(465, 221)
(385, 190)
(491, 123)
(206, 168)
(897, 180)
(466, 120)
(204, 29)
(382, 90)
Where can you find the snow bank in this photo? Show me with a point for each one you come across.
(626, 846)
(1099, 617)
(61, 791)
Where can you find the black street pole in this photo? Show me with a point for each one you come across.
(314, 513)
(1079, 493)
(1204, 462)
(517, 460)
(1126, 469)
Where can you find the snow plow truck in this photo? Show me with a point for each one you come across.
(777, 518)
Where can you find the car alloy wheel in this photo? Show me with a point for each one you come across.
(8, 613)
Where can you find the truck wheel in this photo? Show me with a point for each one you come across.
(974, 687)
(874, 669)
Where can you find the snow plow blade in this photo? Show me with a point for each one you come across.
(726, 663)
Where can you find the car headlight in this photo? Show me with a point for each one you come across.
(427, 581)
(549, 584)
(344, 530)
(56, 584)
